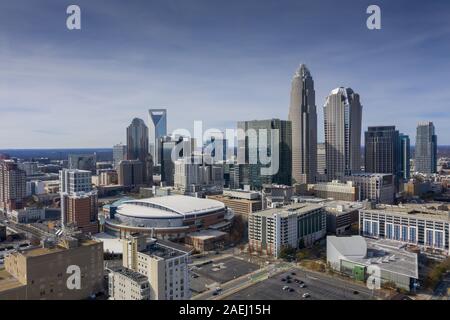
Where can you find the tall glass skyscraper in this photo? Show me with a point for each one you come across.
(157, 124)
(303, 117)
(405, 156)
(426, 148)
(342, 121)
(251, 147)
(382, 150)
(137, 147)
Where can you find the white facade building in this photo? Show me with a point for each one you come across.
(271, 230)
(165, 265)
(415, 225)
(378, 187)
(126, 284)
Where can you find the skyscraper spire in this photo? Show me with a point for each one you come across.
(303, 116)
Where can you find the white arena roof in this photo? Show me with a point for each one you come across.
(173, 206)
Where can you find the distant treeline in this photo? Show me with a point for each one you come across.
(103, 154)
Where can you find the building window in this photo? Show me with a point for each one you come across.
(389, 232)
(397, 232)
(413, 234)
(438, 239)
(429, 237)
(404, 233)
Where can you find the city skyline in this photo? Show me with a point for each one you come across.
(72, 79)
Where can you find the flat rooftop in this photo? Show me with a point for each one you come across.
(338, 207)
(165, 249)
(135, 276)
(292, 209)
(40, 251)
(426, 211)
(389, 255)
(207, 234)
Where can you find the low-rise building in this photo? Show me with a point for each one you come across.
(242, 202)
(126, 284)
(336, 190)
(341, 215)
(376, 262)
(27, 215)
(378, 187)
(206, 240)
(275, 194)
(295, 225)
(423, 225)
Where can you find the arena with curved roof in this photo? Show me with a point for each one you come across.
(169, 217)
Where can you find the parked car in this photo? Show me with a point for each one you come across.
(306, 295)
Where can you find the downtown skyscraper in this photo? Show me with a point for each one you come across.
(303, 117)
(278, 143)
(426, 148)
(382, 150)
(157, 128)
(137, 147)
(405, 156)
(342, 122)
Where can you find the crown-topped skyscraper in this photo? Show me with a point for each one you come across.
(303, 116)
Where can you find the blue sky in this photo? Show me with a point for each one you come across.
(216, 61)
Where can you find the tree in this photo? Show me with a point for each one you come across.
(287, 252)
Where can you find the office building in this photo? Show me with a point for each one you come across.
(83, 162)
(78, 201)
(119, 154)
(276, 194)
(130, 173)
(27, 215)
(74, 181)
(266, 152)
(126, 284)
(426, 148)
(192, 176)
(241, 202)
(157, 119)
(405, 157)
(30, 168)
(173, 149)
(341, 215)
(165, 264)
(423, 225)
(342, 120)
(12, 186)
(216, 147)
(357, 257)
(377, 187)
(321, 163)
(137, 148)
(303, 117)
(345, 191)
(382, 150)
(294, 226)
(107, 177)
(43, 273)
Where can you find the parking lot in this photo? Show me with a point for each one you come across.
(316, 287)
(218, 272)
(226, 269)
